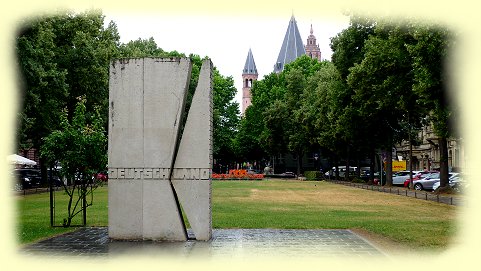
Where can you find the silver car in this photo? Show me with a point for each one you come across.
(456, 182)
(427, 183)
(399, 177)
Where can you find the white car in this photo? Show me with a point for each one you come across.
(399, 177)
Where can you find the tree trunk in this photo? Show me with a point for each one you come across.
(371, 166)
(84, 204)
(410, 161)
(299, 163)
(443, 163)
(358, 164)
(336, 166)
(346, 174)
(389, 167)
(43, 171)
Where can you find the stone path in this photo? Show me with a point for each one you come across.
(225, 243)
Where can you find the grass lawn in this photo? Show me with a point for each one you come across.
(283, 204)
(33, 214)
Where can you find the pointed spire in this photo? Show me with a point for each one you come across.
(250, 65)
(292, 46)
(312, 48)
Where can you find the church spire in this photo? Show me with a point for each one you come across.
(292, 46)
(312, 48)
(249, 76)
(250, 65)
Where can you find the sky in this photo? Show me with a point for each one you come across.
(226, 40)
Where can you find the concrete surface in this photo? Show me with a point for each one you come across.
(194, 158)
(153, 169)
(225, 244)
(146, 105)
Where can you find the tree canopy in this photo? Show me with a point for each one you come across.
(386, 80)
(79, 146)
(67, 55)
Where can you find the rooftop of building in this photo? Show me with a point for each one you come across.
(250, 65)
(292, 46)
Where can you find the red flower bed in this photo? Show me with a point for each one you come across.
(235, 174)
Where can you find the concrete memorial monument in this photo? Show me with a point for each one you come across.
(156, 166)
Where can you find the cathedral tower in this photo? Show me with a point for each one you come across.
(292, 46)
(249, 75)
(312, 49)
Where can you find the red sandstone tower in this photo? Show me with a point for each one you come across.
(312, 49)
(249, 75)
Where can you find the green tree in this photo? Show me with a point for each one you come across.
(225, 117)
(296, 132)
(248, 143)
(61, 57)
(383, 88)
(141, 48)
(348, 45)
(320, 108)
(84, 50)
(430, 55)
(43, 81)
(286, 129)
(80, 147)
(348, 50)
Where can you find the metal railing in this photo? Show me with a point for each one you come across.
(446, 199)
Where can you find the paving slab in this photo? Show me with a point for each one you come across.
(225, 243)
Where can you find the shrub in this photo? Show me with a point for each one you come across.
(357, 180)
(313, 175)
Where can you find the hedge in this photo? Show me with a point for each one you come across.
(313, 175)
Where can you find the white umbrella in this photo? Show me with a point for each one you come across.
(20, 160)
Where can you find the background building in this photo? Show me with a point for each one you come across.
(427, 155)
(312, 48)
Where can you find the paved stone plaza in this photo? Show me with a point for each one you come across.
(225, 243)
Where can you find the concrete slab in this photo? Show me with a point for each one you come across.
(128, 194)
(161, 218)
(225, 244)
(193, 164)
(146, 105)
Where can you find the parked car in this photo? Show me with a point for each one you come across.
(365, 174)
(342, 171)
(456, 182)
(55, 178)
(27, 178)
(428, 182)
(399, 177)
(418, 176)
